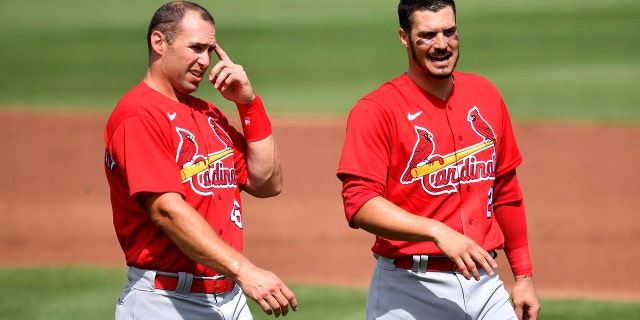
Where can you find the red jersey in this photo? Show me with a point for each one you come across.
(433, 158)
(155, 144)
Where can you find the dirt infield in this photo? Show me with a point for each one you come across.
(581, 186)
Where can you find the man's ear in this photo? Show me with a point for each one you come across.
(404, 38)
(157, 42)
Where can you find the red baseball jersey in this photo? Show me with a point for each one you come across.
(434, 158)
(157, 145)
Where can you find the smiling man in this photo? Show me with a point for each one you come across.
(428, 165)
(176, 167)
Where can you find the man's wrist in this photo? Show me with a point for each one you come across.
(255, 122)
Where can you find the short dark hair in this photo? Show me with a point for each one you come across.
(406, 8)
(168, 17)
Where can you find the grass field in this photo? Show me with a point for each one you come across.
(66, 293)
(567, 60)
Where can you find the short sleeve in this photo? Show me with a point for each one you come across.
(367, 144)
(145, 158)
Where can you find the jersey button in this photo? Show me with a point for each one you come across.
(472, 222)
(468, 188)
(460, 138)
(450, 107)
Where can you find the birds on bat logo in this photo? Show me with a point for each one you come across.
(422, 152)
(212, 174)
(220, 133)
(443, 173)
(187, 153)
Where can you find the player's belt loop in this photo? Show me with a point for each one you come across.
(184, 283)
(420, 262)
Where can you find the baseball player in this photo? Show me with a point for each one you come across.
(428, 165)
(176, 167)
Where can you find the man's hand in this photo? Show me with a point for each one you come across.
(231, 79)
(266, 289)
(464, 252)
(525, 299)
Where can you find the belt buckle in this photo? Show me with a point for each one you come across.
(215, 285)
(219, 285)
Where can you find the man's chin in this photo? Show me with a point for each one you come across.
(441, 74)
(192, 87)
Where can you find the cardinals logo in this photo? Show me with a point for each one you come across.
(422, 153)
(442, 174)
(480, 126)
(187, 149)
(208, 171)
(220, 133)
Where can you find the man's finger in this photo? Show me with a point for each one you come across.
(274, 305)
(519, 311)
(221, 54)
(492, 264)
(265, 306)
(291, 298)
(294, 304)
(462, 268)
(486, 262)
(471, 267)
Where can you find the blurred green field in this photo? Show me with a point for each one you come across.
(69, 293)
(553, 60)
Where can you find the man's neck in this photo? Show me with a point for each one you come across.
(440, 88)
(164, 87)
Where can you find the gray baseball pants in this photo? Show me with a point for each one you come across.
(397, 293)
(141, 300)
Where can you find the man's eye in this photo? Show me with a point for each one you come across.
(449, 33)
(429, 36)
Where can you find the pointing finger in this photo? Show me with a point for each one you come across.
(221, 54)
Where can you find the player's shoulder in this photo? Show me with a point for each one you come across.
(142, 100)
(141, 103)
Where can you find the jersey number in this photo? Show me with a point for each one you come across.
(490, 203)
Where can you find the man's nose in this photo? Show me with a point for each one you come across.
(440, 41)
(204, 59)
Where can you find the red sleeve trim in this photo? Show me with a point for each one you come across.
(520, 261)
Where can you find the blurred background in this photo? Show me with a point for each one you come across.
(566, 59)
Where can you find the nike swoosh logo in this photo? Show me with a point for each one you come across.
(412, 117)
(171, 116)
